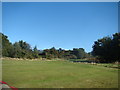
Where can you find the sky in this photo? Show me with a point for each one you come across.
(64, 25)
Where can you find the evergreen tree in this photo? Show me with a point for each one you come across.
(107, 49)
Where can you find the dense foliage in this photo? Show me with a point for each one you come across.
(107, 49)
(22, 49)
(7, 47)
(76, 53)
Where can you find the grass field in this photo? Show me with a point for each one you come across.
(58, 74)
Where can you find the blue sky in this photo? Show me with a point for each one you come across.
(64, 25)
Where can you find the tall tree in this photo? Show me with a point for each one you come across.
(35, 52)
(107, 49)
(7, 48)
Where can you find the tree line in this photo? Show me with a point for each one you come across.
(106, 49)
(22, 49)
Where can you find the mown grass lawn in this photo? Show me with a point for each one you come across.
(57, 74)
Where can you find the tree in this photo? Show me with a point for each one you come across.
(107, 49)
(24, 45)
(22, 50)
(79, 53)
(35, 52)
(61, 53)
(7, 48)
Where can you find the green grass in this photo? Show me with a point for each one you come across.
(58, 74)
